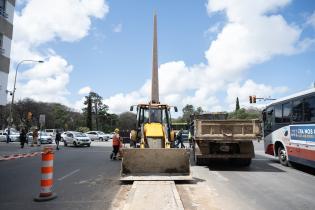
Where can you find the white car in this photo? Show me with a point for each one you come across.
(14, 136)
(43, 137)
(76, 139)
(98, 135)
(63, 135)
(51, 132)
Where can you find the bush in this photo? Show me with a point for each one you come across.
(83, 129)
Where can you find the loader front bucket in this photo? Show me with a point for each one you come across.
(155, 164)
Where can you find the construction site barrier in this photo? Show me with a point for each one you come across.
(47, 171)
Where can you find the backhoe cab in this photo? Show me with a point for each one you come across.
(154, 126)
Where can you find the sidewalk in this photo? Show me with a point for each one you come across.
(153, 195)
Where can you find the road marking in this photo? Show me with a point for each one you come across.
(69, 174)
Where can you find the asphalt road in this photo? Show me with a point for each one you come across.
(84, 178)
(264, 185)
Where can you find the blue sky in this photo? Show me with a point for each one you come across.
(210, 52)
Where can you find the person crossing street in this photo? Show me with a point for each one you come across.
(179, 137)
(57, 139)
(22, 137)
(116, 144)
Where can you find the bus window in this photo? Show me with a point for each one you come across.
(278, 113)
(297, 111)
(286, 112)
(309, 109)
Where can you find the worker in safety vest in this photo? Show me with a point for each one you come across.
(116, 144)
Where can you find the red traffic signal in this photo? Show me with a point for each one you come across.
(250, 99)
(254, 99)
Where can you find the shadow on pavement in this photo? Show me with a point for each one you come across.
(259, 164)
(303, 168)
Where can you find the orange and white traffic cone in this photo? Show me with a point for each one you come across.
(47, 170)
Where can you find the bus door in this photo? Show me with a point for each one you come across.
(268, 118)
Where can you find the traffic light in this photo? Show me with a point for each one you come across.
(254, 99)
(29, 116)
(250, 99)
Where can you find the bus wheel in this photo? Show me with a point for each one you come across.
(282, 155)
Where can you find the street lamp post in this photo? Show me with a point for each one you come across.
(13, 91)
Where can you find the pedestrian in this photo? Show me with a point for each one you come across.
(179, 138)
(116, 144)
(133, 138)
(57, 139)
(35, 137)
(8, 135)
(120, 153)
(23, 137)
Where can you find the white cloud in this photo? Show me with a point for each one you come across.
(311, 20)
(117, 28)
(43, 21)
(85, 90)
(213, 29)
(246, 39)
(45, 82)
(250, 88)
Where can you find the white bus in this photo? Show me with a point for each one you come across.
(289, 128)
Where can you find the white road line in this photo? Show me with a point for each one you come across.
(69, 174)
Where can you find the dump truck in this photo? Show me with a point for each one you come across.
(155, 159)
(216, 137)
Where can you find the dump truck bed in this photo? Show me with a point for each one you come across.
(225, 139)
(232, 130)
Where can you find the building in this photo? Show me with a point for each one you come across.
(6, 31)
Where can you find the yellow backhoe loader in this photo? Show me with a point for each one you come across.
(156, 159)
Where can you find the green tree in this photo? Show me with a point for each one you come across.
(237, 106)
(127, 121)
(199, 110)
(187, 111)
(95, 111)
(88, 112)
(245, 114)
(61, 116)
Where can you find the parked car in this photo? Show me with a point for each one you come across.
(185, 135)
(43, 137)
(76, 139)
(63, 135)
(14, 136)
(51, 132)
(98, 135)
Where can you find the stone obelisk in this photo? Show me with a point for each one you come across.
(155, 74)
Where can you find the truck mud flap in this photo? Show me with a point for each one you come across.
(155, 164)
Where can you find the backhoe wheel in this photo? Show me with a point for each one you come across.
(282, 155)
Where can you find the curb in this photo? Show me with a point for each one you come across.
(18, 156)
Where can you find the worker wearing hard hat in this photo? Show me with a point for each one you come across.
(116, 144)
